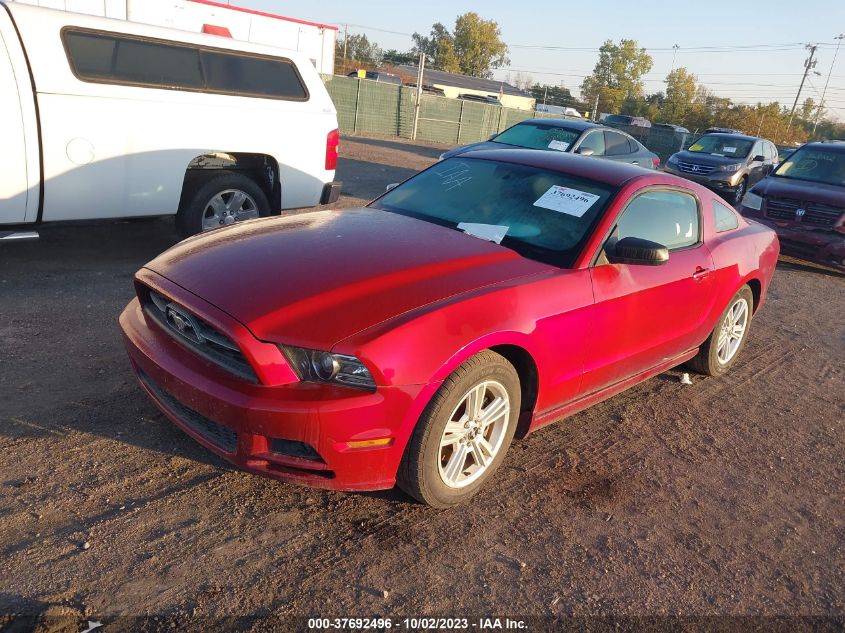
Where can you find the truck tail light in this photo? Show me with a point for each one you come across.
(332, 142)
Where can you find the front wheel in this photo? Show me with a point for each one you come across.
(722, 347)
(739, 193)
(224, 198)
(464, 432)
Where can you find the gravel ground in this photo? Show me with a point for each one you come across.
(720, 498)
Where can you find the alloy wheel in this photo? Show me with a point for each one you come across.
(227, 207)
(732, 331)
(474, 434)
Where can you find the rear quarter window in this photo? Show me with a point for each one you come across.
(724, 218)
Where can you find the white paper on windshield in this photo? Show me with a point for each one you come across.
(559, 146)
(492, 232)
(729, 150)
(567, 200)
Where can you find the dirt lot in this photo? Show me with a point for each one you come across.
(726, 497)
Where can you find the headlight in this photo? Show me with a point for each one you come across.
(318, 366)
(752, 201)
(735, 167)
(673, 160)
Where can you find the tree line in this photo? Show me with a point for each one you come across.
(474, 47)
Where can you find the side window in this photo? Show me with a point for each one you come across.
(756, 150)
(615, 144)
(724, 218)
(666, 217)
(633, 145)
(116, 58)
(595, 142)
(225, 72)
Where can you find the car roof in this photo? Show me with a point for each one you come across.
(744, 137)
(575, 124)
(827, 146)
(607, 172)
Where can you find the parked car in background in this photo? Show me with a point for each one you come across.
(556, 109)
(376, 75)
(722, 130)
(488, 99)
(804, 202)
(784, 152)
(624, 119)
(109, 119)
(567, 135)
(726, 163)
(670, 127)
(492, 293)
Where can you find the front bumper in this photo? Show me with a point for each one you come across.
(724, 181)
(814, 245)
(239, 421)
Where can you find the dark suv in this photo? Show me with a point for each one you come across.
(726, 163)
(804, 202)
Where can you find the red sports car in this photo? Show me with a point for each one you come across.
(408, 341)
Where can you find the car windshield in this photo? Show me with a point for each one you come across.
(815, 165)
(722, 145)
(538, 136)
(542, 215)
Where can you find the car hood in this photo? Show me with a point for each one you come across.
(709, 159)
(317, 278)
(472, 146)
(802, 190)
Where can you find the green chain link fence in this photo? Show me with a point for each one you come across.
(383, 109)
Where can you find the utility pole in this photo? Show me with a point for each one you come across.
(345, 40)
(809, 64)
(838, 39)
(420, 77)
(545, 94)
(596, 106)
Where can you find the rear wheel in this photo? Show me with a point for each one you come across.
(224, 198)
(464, 432)
(722, 348)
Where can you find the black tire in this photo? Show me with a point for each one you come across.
(419, 472)
(739, 193)
(707, 361)
(189, 219)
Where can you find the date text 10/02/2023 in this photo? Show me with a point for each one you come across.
(416, 624)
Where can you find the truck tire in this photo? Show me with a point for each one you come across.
(221, 199)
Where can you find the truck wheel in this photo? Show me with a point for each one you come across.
(224, 198)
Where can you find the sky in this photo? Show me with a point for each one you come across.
(765, 40)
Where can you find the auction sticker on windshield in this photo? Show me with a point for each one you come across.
(559, 146)
(729, 150)
(566, 200)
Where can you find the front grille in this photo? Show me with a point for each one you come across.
(196, 334)
(695, 168)
(815, 213)
(221, 436)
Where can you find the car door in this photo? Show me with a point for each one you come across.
(647, 315)
(618, 148)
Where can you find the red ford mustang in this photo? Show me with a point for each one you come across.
(408, 341)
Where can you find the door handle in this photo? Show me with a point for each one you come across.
(700, 273)
(635, 162)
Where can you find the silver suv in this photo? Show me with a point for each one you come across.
(726, 163)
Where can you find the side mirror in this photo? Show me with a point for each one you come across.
(585, 151)
(759, 158)
(392, 185)
(635, 250)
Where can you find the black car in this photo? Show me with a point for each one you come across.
(804, 202)
(568, 135)
(726, 163)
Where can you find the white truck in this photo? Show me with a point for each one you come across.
(106, 118)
